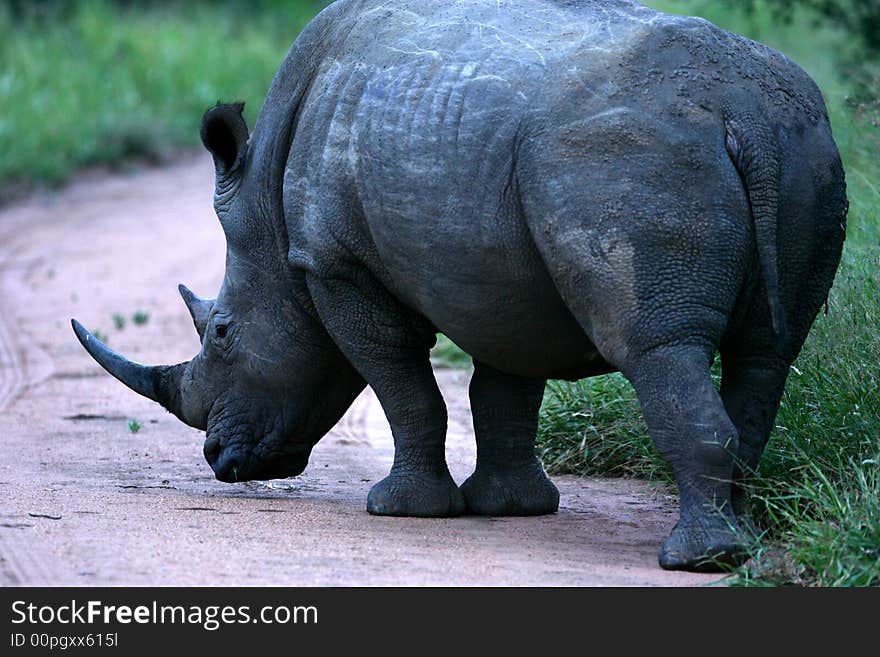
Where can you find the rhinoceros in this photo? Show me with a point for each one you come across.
(565, 188)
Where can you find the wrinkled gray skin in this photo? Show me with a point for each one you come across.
(565, 189)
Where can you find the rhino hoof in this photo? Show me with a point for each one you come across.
(525, 492)
(702, 550)
(416, 495)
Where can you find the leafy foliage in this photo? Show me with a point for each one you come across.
(859, 18)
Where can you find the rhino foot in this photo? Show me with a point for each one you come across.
(418, 495)
(503, 492)
(712, 548)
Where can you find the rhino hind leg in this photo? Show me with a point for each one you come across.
(689, 426)
(508, 479)
(752, 391)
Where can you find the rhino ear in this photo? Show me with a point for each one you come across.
(225, 134)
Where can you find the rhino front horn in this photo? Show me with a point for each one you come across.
(199, 309)
(161, 384)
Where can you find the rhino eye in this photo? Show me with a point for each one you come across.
(221, 331)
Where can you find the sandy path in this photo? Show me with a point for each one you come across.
(144, 508)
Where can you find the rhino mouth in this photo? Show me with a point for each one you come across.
(233, 464)
(254, 443)
(235, 455)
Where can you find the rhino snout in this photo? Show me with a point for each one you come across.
(231, 464)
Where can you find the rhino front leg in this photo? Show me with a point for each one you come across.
(389, 346)
(508, 480)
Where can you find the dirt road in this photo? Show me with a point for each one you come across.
(84, 501)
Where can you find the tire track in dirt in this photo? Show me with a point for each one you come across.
(11, 368)
(20, 564)
(12, 375)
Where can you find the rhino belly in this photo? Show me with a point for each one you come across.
(530, 335)
(488, 290)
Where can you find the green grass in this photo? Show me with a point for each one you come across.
(595, 427)
(95, 82)
(446, 354)
(825, 526)
(140, 318)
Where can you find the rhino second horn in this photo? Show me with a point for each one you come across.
(160, 383)
(199, 309)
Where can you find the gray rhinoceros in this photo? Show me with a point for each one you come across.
(565, 188)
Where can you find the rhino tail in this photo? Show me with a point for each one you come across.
(754, 149)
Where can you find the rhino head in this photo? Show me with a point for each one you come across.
(268, 382)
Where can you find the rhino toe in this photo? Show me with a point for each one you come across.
(416, 495)
(700, 549)
(523, 492)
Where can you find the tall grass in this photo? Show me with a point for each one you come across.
(96, 81)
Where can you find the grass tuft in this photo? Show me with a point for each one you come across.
(825, 526)
(595, 427)
(140, 318)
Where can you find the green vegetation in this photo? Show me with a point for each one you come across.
(140, 318)
(446, 354)
(595, 427)
(103, 337)
(860, 18)
(119, 321)
(98, 82)
(133, 426)
(825, 526)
